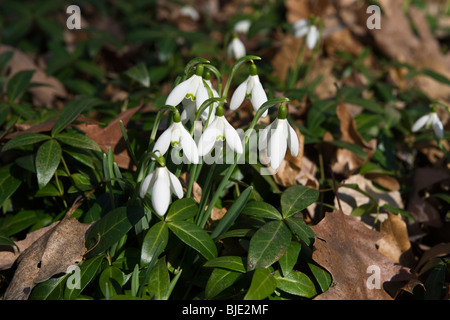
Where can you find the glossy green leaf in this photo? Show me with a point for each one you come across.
(13, 224)
(268, 245)
(48, 157)
(232, 213)
(157, 235)
(263, 284)
(111, 228)
(71, 111)
(159, 281)
(262, 209)
(24, 140)
(233, 263)
(18, 84)
(290, 257)
(297, 198)
(52, 289)
(111, 281)
(300, 229)
(78, 140)
(195, 237)
(140, 74)
(322, 276)
(220, 280)
(8, 183)
(296, 283)
(4, 241)
(87, 272)
(182, 209)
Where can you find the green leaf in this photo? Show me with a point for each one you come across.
(356, 149)
(48, 157)
(71, 111)
(219, 280)
(52, 289)
(297, 198)
(78, 140)
(300, 229)
(397, 210)
(111, 228)
(290, 257)
(159, 281)
(88, 270)
(5, 58)
(263, 284)
(182, 209)
(232, 213)
(8, 183)
(18, 83)
(18, 222)
(24, 140)
(140, 74)
(4, 241)
(262, 209)
(233, 263)
(195, 237)
(157, 235)
(322, 276)
(111, 281)
(268, 245)
(296, 283)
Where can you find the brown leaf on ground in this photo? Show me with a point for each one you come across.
(42, 95)
(346, 248)
(111, 137)
(196, 189)
(52, 253)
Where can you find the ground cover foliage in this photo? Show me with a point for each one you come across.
(360, 212)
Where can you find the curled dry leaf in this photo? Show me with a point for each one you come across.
(42, 95)
(347, 249)
(52, 253)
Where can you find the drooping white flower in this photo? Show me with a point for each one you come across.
(252, 89)
(428, 120)
(161, 183)
(219, 129)
(242, 26)
(191, 12)
(304, 27)
(236, 49)
(276, 138)
(192, 89)
(190, 107)
(177, 136)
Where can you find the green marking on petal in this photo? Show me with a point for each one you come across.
(190, 96)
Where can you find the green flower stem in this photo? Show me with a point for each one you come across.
(298, 63)
(205, 194)
(313, 57)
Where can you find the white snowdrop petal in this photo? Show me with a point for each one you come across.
(312, 37)
(201, 95)
(293, 141)
(239, 95)
(277, 148)
(175, 185)
(163, 142)
(232, 138)
(422, 121)
(189, 147)
(178, 93)
(145, 185)
(258, 97)
(161, 192)
(438, 128)
(208, 138)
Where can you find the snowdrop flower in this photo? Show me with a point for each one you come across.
(189, 11)
(177, 136)
(428, 120)
(242, 26)
(192, 89)
(252, 89)
(304, 27)
(161, 183)
(276, 137)
(236, 49)
(219, 129)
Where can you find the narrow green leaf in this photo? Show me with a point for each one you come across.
(182, 209)
(268, 245)
(263, 284)
(159, 281)
(195, 237)
(71, 111)
(157, 235)
(356, 149)
(262, 209)
(24, 140)
(297, 198)
(290, 257)
(48, 157)
(397, 210)
(87, 272)
(232, 213)
(78, 140)
(140, 74)
(5, 58)
(8, 183)
(4, 241)
(299, 228)
(111, 228)
(219, 280)
(18, 83)
(322, 276)
(233, 263)
(52, 289)
(296, 283)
